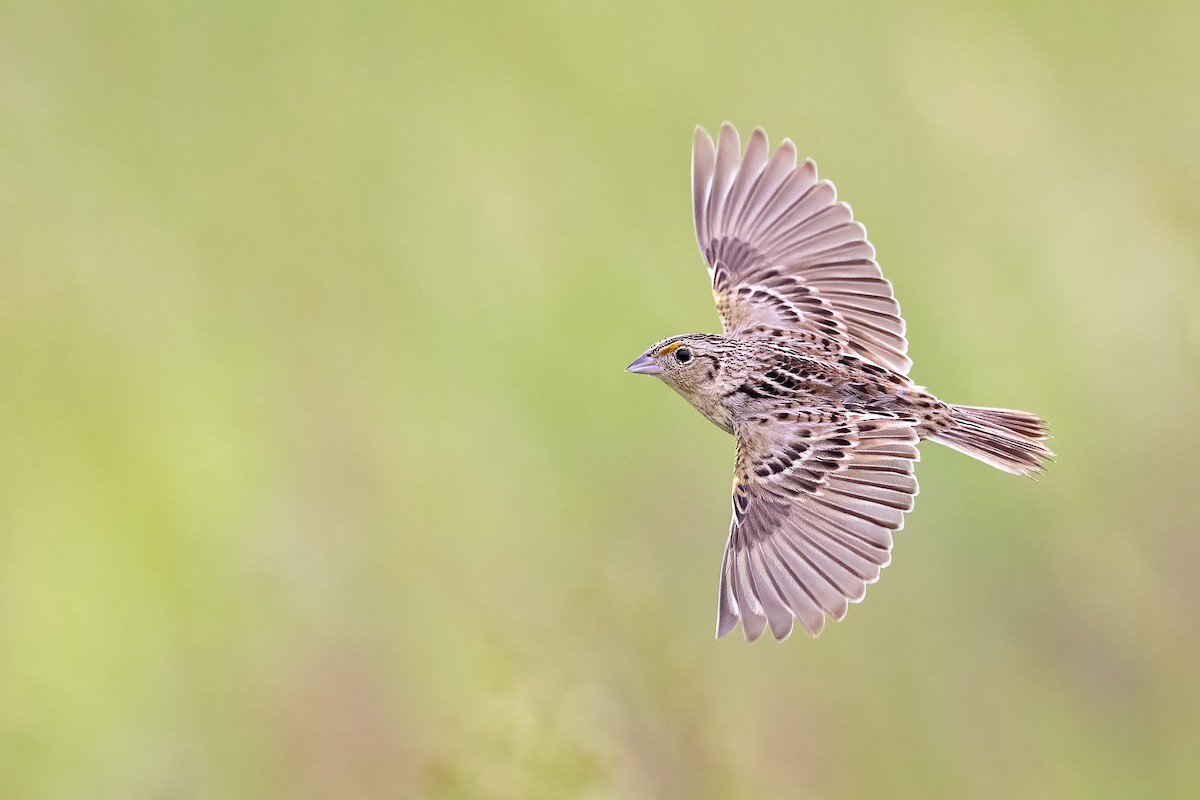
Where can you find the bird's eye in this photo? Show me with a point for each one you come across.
(683, 355)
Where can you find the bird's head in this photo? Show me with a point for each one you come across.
(688, 364)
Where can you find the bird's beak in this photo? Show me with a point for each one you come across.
(645, 365)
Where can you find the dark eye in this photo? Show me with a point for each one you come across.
(683, 355)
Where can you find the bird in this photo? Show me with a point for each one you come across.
(810, 376)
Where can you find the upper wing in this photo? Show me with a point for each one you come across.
(815, 500)
(784, 255)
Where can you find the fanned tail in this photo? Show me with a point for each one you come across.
(1013, 441)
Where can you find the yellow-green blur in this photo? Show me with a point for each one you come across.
(320, 475)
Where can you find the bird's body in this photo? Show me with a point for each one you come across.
(751, 377)
(811, 377)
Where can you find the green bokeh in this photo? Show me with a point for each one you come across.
(321, 476)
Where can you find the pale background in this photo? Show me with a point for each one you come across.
(321, 477)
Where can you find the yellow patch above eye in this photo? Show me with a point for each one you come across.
(668, 349)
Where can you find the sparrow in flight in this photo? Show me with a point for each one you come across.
(810, 375)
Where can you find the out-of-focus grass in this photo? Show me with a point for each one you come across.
(321, 477)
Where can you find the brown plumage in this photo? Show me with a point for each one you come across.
(811, 377)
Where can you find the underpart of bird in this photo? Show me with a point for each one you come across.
(810, 375)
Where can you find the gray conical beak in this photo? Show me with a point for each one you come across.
(645, 365)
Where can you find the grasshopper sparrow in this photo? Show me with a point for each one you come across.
(811, 378)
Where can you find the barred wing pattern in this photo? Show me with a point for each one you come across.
(816, 498)
(785, 258)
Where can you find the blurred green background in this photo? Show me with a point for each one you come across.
(321, 476)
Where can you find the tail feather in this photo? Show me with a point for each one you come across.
(1009, 440)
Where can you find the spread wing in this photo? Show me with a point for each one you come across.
(815, 500)
(785, 258)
